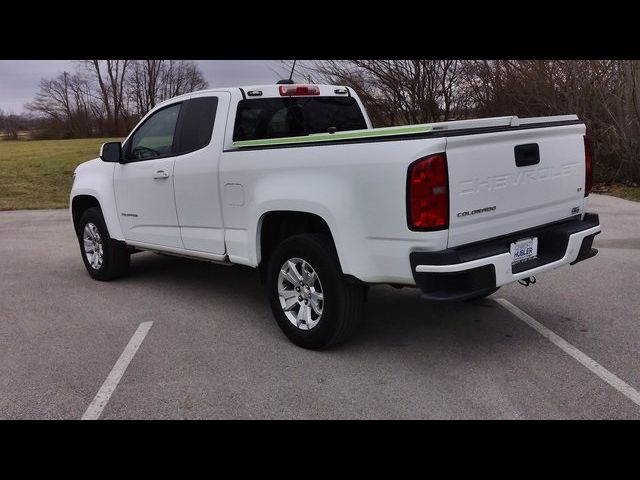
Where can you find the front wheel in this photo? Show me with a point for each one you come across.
(311, 301)
(104, 258)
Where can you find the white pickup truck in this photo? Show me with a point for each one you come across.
(293, 180)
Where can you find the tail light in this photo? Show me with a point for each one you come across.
(298, 90)
(428, 193)
(588, 166)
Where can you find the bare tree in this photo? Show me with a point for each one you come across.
(12, 127)
(110, 77)
(153, 81)
(105, 97)
(398, 91)
(619, 122)
(144, 84)
(604, 93)
(178, 77)
(66, 99)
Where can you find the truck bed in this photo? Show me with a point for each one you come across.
(452, 128)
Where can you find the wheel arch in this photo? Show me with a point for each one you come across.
(79, 205)
(274, 226)
(83, 199)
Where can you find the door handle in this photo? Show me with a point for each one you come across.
(161, 174)
(527, 155)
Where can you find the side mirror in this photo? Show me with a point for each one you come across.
(111, 152)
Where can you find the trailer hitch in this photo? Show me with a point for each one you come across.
(527, 281)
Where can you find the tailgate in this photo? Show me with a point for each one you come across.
(490, 195)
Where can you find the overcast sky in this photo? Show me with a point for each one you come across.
(19, 78)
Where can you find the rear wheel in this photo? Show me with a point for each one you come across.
(311, 301)
(104, 258)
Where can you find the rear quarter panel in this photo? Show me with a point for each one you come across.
(359, 189)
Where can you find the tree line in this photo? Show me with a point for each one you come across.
(12, 124)
(106, 98)
(603, 93)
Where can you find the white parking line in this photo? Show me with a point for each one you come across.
(104, 394)
(617, 383)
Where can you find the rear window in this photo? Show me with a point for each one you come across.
(263, 118)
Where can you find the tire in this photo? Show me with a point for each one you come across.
(341, 304)
(115, 256)
(483, 295)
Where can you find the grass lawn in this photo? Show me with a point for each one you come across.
(628, 193)
(37, 173)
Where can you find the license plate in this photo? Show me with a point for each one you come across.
(524, 249)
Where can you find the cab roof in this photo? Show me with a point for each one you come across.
(269, 91)
(273, 90)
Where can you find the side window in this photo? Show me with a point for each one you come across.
(154, 138)
(198, 117)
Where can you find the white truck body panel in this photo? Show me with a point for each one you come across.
(363, 201)
(142, 220)
(483, 174)
(197, 190)
(94, 178)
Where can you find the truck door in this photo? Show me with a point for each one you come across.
(143, 183)
(200, 143)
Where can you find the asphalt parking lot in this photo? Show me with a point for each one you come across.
(214, 351)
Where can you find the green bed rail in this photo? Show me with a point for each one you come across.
(332, 137)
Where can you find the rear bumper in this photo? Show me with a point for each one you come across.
(472, 270)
